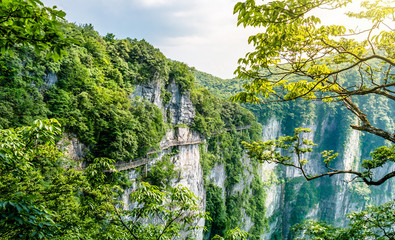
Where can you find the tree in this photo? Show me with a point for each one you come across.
(376, 222)
(160, 214)
(29, 22)
(43, 197)
(297, 57)
(233, 234)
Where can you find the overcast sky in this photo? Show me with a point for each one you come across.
(201, 33)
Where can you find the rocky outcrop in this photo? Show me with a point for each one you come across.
(178, 110)
(50, 79)
(191, 173)
(150, 91)
(218, 177)
(73, 148)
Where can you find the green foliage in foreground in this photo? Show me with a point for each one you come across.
(29, 22)
(233, 234)
(376, 222)
(42, 197)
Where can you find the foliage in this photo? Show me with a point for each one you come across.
(223, 88)
(295, 37)
(22, 151)
(149, 62)
(182, 75)
(216, 225)
(297, 57)
(161, 173)
(256, 208)
(219, 120)
(29, 22)
(161, 214)
(233, 234)
(88, 91)
(214, 115)
(270, 151)
(41, 198)
(376, 222)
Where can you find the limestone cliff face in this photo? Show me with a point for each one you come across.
(336, 196)
(330, 198)
(73, 149)
(178, 110)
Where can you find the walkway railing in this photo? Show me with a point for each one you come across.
(122, 166)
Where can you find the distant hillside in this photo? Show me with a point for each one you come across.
(221, 87)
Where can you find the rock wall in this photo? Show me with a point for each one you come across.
(179, 110)
(337, 196)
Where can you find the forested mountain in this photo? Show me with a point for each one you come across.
(106, 138)
(114, 100)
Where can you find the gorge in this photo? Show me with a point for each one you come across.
(122, 99)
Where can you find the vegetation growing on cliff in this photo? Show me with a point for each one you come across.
(219, 120)
(44, 197)
(88, 91)
(298, 57)
(312, 60)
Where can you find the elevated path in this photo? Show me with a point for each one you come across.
(123, 166)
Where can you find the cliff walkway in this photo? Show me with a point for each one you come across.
(122, 166)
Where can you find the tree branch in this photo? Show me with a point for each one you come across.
(366, 126)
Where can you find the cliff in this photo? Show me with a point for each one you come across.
(123, 100)
(179, 110)
(290, 199)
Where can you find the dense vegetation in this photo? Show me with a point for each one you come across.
(219, 120)
(44, 197)
(302, 197)
(88, 87)
(88, 91)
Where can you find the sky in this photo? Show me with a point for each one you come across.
(201, 33)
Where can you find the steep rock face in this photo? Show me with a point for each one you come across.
(73, 149)
(179, 110)
(218, 176)
(334, 197)
(191, 174)
(274, 188)
(351, 155)
(150, 91)
(180, 107)
(245, 220)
